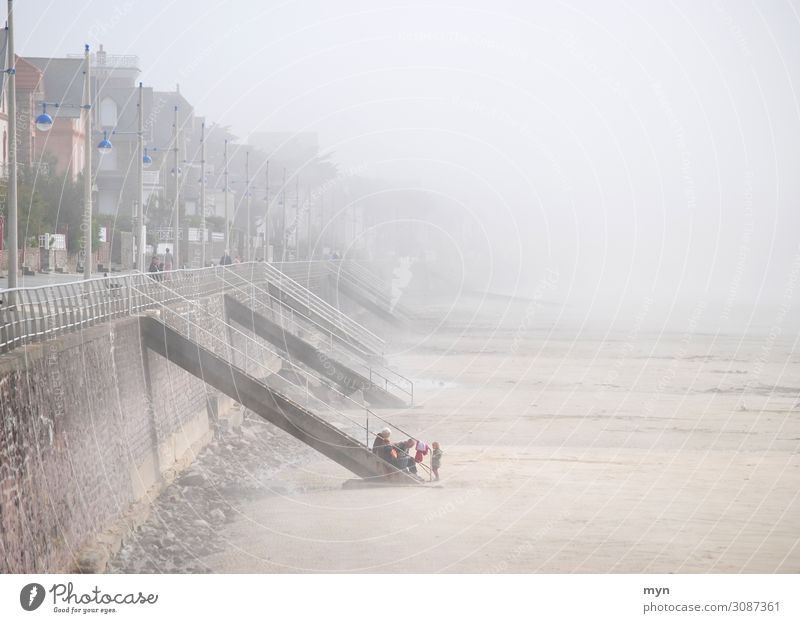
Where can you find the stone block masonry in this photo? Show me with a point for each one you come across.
(92, 425)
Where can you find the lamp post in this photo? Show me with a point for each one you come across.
(297, 217)
(203, 233)
(247, 204)
(139, 235)
(258, 189)
(201, 164)
(266, 217)
(227, 209)
(44, 122)
(284, 233)
(176, 253)
(13, 243)
(86, 226)
(322, 227)
(308, 228)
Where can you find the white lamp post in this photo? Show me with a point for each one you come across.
(13, 243)
(44, 122)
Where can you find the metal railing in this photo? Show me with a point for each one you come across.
(365, 275)
(368, 283)
(324, 309)
(35, 314)
(380, 376)
(185, 323)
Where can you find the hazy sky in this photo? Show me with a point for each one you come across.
(638, 149)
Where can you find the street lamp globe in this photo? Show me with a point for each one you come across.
(44, 122)
(105, 145)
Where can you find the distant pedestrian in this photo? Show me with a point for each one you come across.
(167, 260)
(225, 260)
(436, 459)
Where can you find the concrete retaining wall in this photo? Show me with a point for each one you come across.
(92, 425)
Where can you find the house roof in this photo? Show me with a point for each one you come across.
(28, 75)
(63, 82)
(163, 108)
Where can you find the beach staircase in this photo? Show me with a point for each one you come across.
(293, 399)
(368, 290)
(376, 387)
(317, 346)
(342, 327)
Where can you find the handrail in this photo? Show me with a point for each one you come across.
(363, 274)
(371, 369)
(293, 313)
(34, 313)
(368, 282)
(53, 309)
(184, 319)
(328, 313)
(41, 312)
(323, 308)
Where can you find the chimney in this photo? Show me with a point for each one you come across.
(101, 57)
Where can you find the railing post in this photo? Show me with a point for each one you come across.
(366, 426)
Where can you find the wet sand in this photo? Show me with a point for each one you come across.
(563, 453)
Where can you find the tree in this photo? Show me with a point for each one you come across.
(50, 203)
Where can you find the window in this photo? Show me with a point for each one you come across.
(108, 113)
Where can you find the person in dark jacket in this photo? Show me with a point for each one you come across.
(381, 441)
(153, 268)
(404, 458)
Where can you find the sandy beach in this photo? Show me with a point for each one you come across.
(607, 453)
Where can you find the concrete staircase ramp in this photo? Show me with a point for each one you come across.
(298, 350)
(270, 404)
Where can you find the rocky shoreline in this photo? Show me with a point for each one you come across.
(237, 466)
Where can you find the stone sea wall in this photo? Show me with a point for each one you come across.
(92, 425)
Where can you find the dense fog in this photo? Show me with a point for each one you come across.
(622, 160)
